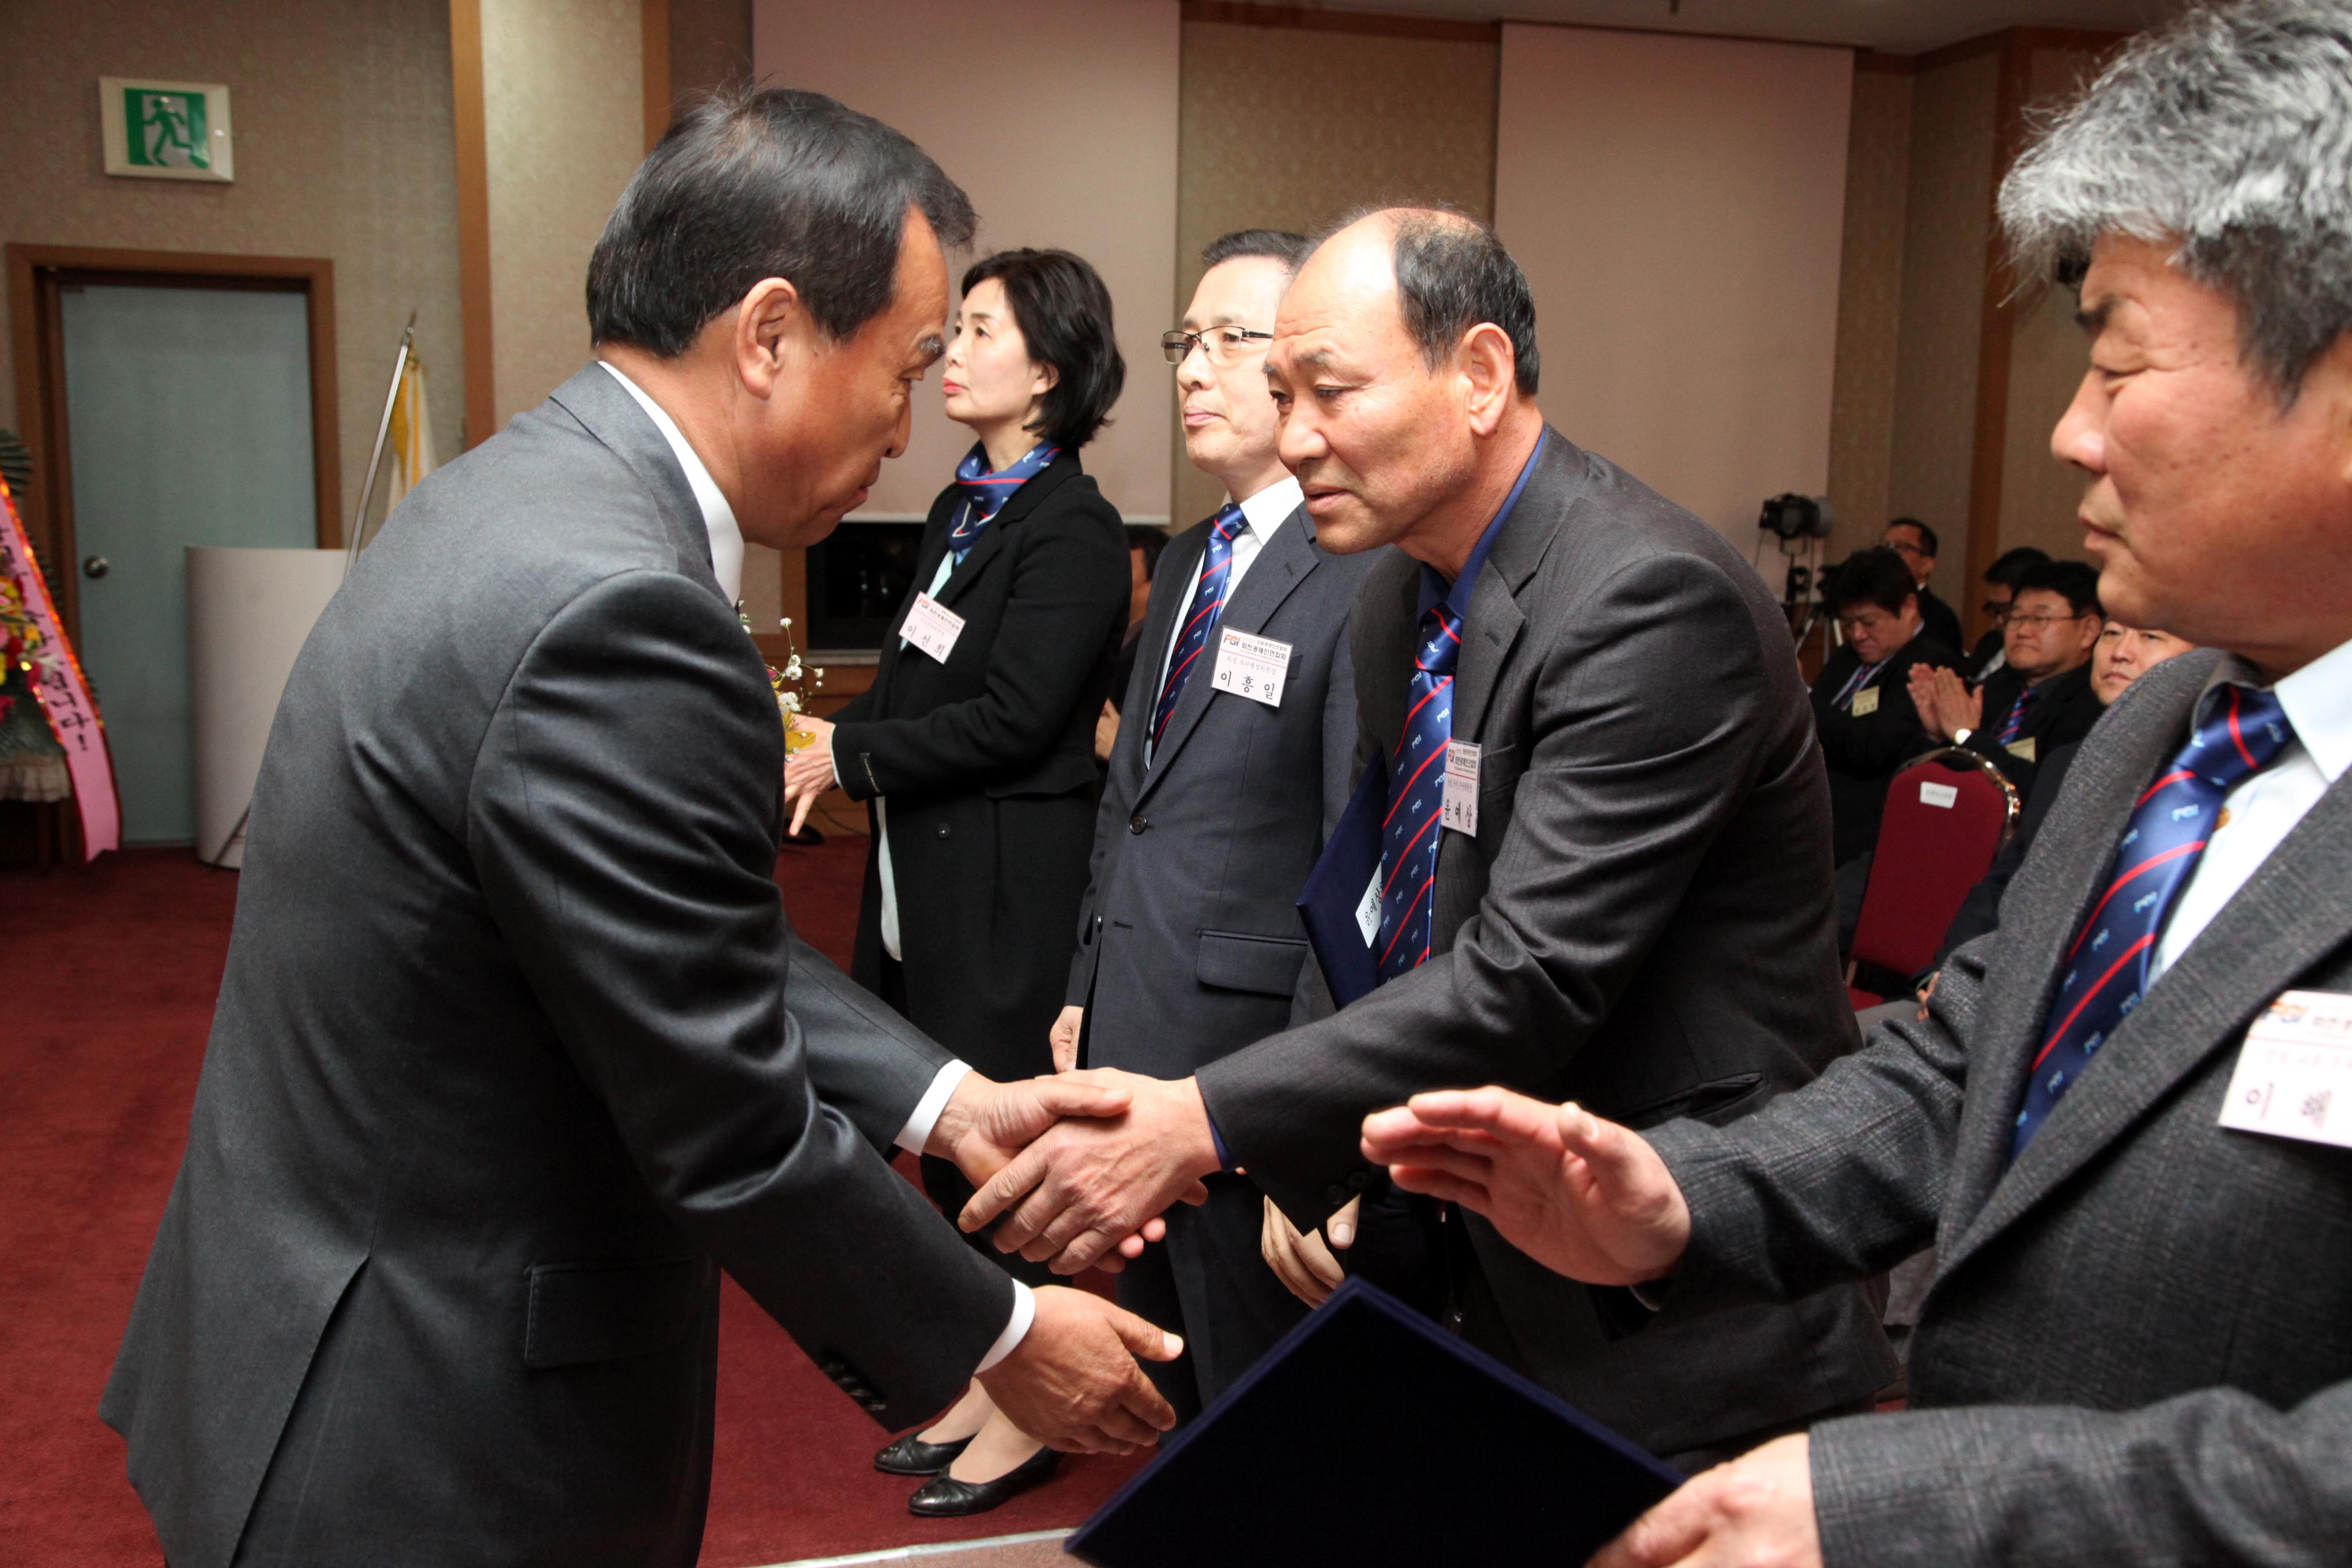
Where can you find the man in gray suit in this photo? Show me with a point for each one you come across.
(1622, 891)
(1216, 807)
(2126, 1121)
(516, 1049)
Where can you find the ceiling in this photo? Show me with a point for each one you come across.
(1898, 26)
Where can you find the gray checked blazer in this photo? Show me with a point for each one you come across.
(515, 1050)
(1643, 922)
(2137, 1345)
(1189, 945)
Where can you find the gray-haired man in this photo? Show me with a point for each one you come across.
(2125, 1122)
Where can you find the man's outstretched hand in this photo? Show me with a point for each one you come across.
(985, 1124)
(1087, 1187)
(1584, 1197)
(1072, 1382)
(1755, 1512)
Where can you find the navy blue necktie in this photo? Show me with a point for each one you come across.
(1201, 617)
(1416, 791)
(2016, 719)
(1853, 685)
(2242, 730)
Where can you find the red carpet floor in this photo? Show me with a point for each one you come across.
(106, 980)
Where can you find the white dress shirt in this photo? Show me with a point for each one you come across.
(1262, 515)
(727, 565)
(2261, 812)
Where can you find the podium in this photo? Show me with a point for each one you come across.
(248, 614)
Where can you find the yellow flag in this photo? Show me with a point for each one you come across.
(411, 436)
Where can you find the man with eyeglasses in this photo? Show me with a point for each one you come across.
(1221, 789)
(1916, 543)
(2000, 580)
(2040, 699)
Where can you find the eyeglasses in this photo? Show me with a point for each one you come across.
(1224, 345)
(1901, 547)
(1997, 608)
(2038, 622)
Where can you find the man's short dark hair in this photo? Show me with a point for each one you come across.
(2075, 582)
(1150, 540)
(1873, 576)
(1927, 535)
(1452, 274)
(1063, 313)
(2014, 564)
(1275, 243)
(773, 182)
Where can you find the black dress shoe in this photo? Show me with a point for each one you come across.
(947, 1498)
(911, 1456)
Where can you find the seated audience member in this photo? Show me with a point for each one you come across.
(1862, 699)
(2040, 699)
(2123, 654)
(2000, 589)
(1144, 544)
(1915, 541)
(2137, 1349)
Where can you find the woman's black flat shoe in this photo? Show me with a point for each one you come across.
(948, 1497)
(911, 1456)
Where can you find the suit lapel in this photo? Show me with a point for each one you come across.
(2290, 914)
(1281, 566)
(1493, 626)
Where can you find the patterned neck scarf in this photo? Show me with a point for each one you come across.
(984, 494)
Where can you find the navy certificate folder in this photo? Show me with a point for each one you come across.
(1335, 894)
(1369, 1437)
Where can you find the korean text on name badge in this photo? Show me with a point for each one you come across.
(2293, 1077)
(933, 627)
(1251, 666)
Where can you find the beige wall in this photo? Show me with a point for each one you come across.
(564, 121)
(1870, 307)
(1082, 156)
(1677, 204)
(2047, 357)
(342, 116)
(1944, 247)
(1255, 152)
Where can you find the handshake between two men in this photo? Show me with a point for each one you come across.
(1586, 1198)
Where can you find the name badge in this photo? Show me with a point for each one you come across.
(2022, 750)
(1367, 909)
(1866, 702)
(2293, 1077)
(1946, 795)
(1459, 807)
(1251, 666)
(933, 627)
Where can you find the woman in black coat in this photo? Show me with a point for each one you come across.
(974, 747)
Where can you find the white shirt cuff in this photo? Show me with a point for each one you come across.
(917, 1131)
(1016, 1328)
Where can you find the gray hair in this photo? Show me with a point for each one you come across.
(2229, 132)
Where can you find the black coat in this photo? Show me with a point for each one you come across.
(987, 765)
(1866, 751)
(1938, 619)
(2063, 710)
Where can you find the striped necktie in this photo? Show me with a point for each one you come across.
(1854, 683)
(1416, 790)
(1201, 617)
(2016, 719)
(2242, 730)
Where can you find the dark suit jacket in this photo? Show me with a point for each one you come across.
(1972, 668)
(1189, 941)
(1864, 753)
(1644, 922)
(2063, 708)
(988, 762)
(1980, 910)
(2137, 1345)
(1938, 619)
(514, 1051)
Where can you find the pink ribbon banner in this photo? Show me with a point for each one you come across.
(63, 694)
